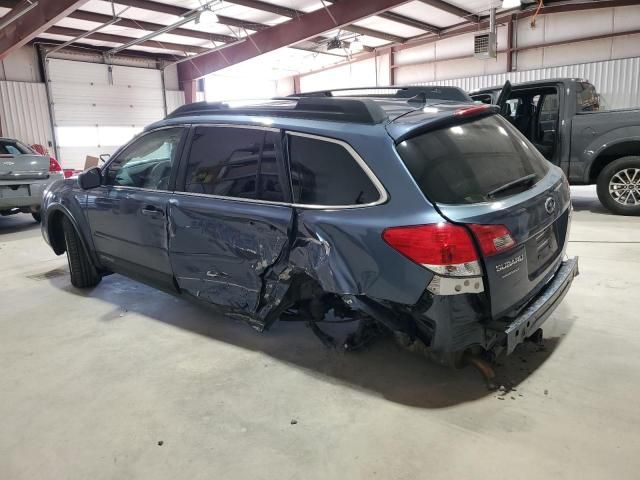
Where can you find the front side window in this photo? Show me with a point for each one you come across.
(325, 173)
(147, 162)
(236, 162)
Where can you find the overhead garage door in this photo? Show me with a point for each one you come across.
(99, 107)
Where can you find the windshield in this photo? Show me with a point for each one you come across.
(473, 162)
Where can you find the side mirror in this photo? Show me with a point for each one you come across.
(104, 157)
(91, 178)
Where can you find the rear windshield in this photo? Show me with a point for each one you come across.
(473, 162)
(9, 147)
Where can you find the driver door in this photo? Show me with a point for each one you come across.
(128, 212)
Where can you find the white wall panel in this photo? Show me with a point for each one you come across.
(24, 114)
(618, 81)
(364, 73)
(175, 99)
(113, 102)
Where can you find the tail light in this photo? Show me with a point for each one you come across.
(442, 247)
(54, 165)
(492, 238)
(446, 248)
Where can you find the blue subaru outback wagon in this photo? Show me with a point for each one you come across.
(411, 211)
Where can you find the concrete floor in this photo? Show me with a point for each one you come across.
(126, 382)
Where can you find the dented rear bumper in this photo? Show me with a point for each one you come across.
(539, 310)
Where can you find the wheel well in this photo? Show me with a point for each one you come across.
(610, 154)
(56, 232)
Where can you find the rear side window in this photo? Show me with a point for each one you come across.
(12, 148)
(587, 97)
(465, 163)
(236, 162)
(325, 173)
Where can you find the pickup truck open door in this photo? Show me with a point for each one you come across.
(505, 93)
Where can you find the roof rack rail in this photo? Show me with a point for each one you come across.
(435, 92)
(350, 110)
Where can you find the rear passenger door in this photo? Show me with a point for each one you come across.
(231, 214)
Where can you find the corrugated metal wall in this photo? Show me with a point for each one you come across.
(618, 81)
(23, 112)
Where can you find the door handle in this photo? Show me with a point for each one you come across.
(152, 210)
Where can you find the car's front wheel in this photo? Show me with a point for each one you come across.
(619, 186)
(83, 273)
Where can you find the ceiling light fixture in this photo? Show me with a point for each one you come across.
(356, 46)
(511, 3)
(207, 16)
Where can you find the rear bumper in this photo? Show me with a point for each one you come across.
(532, 318)
(28, 193)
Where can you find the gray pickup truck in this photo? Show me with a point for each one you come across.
(563, 119)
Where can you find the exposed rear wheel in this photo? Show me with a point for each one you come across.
(619, 186)
(83, 273)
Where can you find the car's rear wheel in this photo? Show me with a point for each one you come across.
(83, 273)
(619, 186)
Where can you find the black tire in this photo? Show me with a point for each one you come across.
(607, 175)
(36, 216)
(83, 273)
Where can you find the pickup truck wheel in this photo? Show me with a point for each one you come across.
(619, 186)
(83, 273)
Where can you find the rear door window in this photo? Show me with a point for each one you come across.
(236, 162)
(465, 163)
(12, 148)
(325, 173)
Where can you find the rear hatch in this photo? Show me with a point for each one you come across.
(18, 162)
(480, 172)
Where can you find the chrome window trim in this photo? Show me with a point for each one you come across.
(383, 195)
(237, 125)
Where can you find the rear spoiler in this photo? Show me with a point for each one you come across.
(450, 118)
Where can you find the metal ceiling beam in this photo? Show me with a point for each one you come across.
(304, 27)
(292, 13)
(453, 10)
(256, 5)
(411, 22)
(108, 37)
(33, 22)
(150, 27)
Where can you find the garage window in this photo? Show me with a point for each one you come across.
(325, 173)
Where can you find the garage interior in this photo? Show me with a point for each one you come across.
(125, 381)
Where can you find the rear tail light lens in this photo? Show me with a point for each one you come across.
(448, 249)
(54, 165)
(492, 238)
(442, 247)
